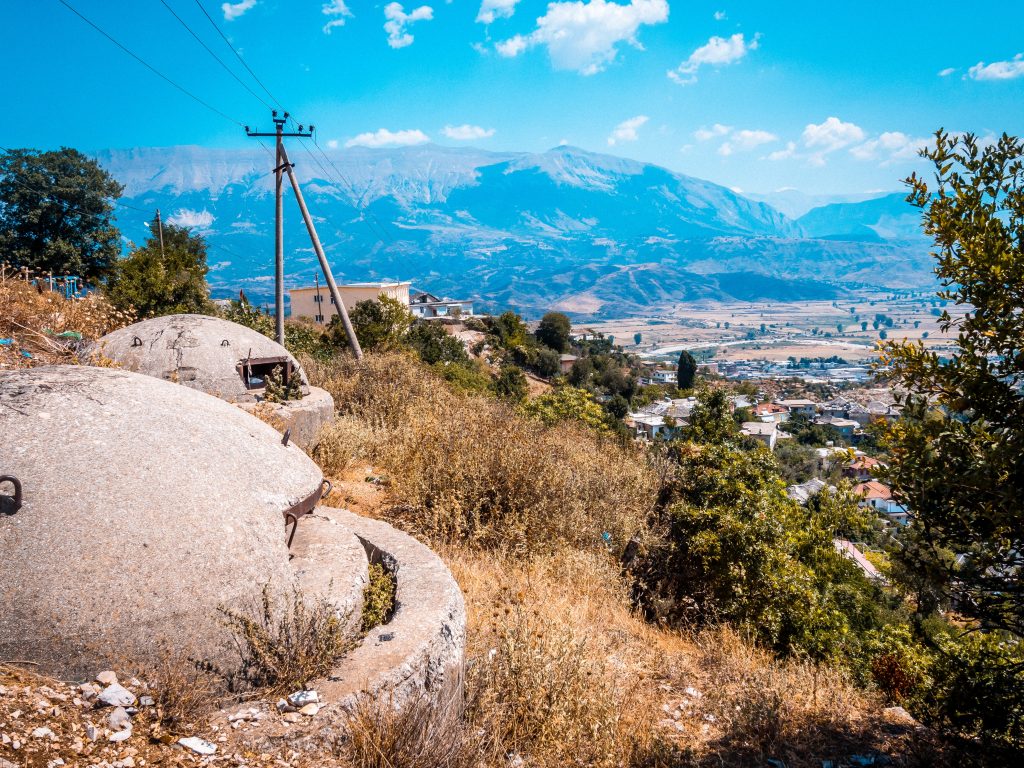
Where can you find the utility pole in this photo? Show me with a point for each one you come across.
(279, 162)
(328, 276)
(160, 229)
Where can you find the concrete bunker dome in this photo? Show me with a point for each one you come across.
(216, 356)
(145, 507)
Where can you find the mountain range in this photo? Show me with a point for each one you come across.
(590, 234)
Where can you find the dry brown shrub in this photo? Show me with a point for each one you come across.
(34, 320)
(340, 442)
(184, 690)
(471, 468)
(268, 414)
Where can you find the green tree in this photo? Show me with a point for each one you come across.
(511, 383)
(580, 372)
(686, 370)
(711, 419)
(617, 406)
(958, 452)
(864, 325)
(380, 324)
(553, 331)
(163, 280)
(56, 213)
(434, 344)
(567, 404)
(637, 338)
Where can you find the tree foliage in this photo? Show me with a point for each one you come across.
(56, 213)
(163, 280)
(380, 324)
(553, 331)
(567, 404)
(686, 370)
(511, 383)
(960, 466)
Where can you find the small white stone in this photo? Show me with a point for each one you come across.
(43, 733)
(118, 719)
(120, 736)
(197, 745)
(116, 695)
(302, 698)
(108, 677)
(309, 710)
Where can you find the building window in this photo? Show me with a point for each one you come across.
(317, 298)
(332, 299)
(319, 318)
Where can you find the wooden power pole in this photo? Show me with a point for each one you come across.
(278, 135)
(281, 166)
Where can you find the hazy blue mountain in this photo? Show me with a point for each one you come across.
(794, 203)
(590, 233)
(884, 219)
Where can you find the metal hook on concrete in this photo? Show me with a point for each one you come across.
(136, 341)
(17, 494)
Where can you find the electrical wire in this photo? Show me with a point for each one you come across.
(239, 56)
(147, 65)
(214, 55)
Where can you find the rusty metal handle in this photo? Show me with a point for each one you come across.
(327, 488)
(289, 518)
(17, 489)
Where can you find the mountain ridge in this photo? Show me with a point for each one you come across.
(530, 230)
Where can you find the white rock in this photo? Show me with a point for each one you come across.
(120, 736)
(118, 719)
(693, 693)
(91, 732)
(284, 706)
(146, 701)
(197, 745)
(106, 678)
(116, 695)
(302, 698)
(43, 733)
(309, 710)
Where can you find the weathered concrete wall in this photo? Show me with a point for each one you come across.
(147, 506)
(303, 417)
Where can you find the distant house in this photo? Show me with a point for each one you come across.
(767, 433)
(862, 468)
(845, 427)
(803, 492)
(879, 496)
(803, 407)
(565, 363)
(651, 427)
(584, 334)
(660, 376)
(771, 412)
(879, 410)
(317, 304)
(425, 305)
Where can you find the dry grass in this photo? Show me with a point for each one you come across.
(285, 643)
(184, 690)
(473, 469)
(35, 321)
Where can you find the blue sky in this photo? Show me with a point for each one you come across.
(822, 97)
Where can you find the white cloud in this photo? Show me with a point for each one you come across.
(332, 144)
(627, 130)
(467, 132)
(831, 135)
(705, 134)
(947, 71)
(745, 141)
(998, 70)
(512, 47)
(716, 52)
(339, 11)
(784, 154)
(585, 35)
(495, 9)
(398, 20)
(185, 217)
(233, 10)
(385, 138)
(720, 16)
(890, 147)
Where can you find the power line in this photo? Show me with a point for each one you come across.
(214, 55)
(147, 65)
(238, 55)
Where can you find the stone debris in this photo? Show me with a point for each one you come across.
(44, 733)
(309, 710)
(197, 745)
(124, 735)
(116, 695)
(106, 678)
(118, 719)
(292, 717)
(300, 699)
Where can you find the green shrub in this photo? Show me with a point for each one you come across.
(378, 597)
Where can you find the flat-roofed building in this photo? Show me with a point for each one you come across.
(317, 304)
